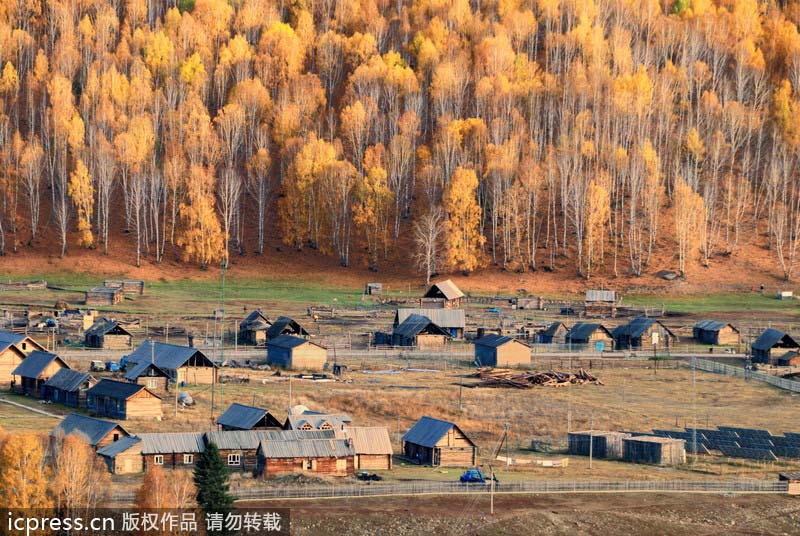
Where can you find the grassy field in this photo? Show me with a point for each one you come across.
(13, 418)
(731, 302)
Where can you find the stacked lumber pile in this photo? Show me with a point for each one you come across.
(491, 377)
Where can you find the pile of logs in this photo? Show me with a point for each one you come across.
(491, 377)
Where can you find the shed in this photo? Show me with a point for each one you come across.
(419, 331)
(241, 417)
(451, 320)
(181, 363)
(714, 332)
(238, 448)
(373, 289)
(604, 444)
(68, 387)
(131, 287)
(556, 332)
(123, 400)
(761, 348)
(594, 336)
(253, 329)
(601, 303)
(284, 325)
(789, 359)
(148, 374)
(123, 457)
(325, 457)
(439, 443)
(498, 351)
(290, 352)
(444, 294)
(173, 450)
(643, 332)
(104, 296)
(107, 334)
(654, 450)
(99, 432)
(34, 371)
(372, 446)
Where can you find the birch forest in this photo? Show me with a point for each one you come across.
(583, 135)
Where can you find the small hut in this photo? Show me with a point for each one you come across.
(493, 350)
(31, 375)
(68, 387)
(555, 333)
(643, 332)
(603, 444)
(290, 352)
(148, 374)
(98, 432)
(107, 334)
(451, 320)
(372, 446)
(601, 303)
(123, 457)
(444, 294)
(373, 289)
(771, 338)
(284, 325)
(591, 336)
(253, 329)
(439, 443)
(713, 332)
(654, 450)
(181, 363)
(123, 400)
(99, 296)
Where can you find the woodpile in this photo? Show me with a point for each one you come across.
(492, 377)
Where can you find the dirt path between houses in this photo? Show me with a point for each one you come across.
(23, 406)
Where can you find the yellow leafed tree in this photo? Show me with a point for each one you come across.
(81, 192)
(201, 238)
(689, 217)
(463, 239)
(598, 213)
(23, 474)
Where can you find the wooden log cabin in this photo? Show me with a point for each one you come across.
(494, 350)
(555, 333)
(319, 457)
(30, 376)
(600, 303)
(242, 417)
(420, 332)
(68, 387)
(770, 339)
(291, 352)
(98, 432)
(718, 333)
(453, 321)
(589, 336)
(253, 329)
(372, 446)
(14, 347)
(149, 375)
(183, 364)
(438, 443)
(643, 332)
(123, 457)
(444, 294)
(175, 450)
(99, 296)
(107, 334)
(123, 400)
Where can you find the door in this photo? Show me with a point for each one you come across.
(128, 466)
(341, 465)
(436, 456)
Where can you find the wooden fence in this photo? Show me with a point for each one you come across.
(721, 368)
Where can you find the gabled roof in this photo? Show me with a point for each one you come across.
(139, 369)
(428, 431)
(446, 289)
(552, 329)
(445, 318)
(35, 364)
(172, 443)
(94, 429)
(118, 447)
(284, 324)
(772, 338)
(600, 296)
(416, 324)
(166, 356)
(9, 338)
(68, 380)
(369, 439)
(636, 327)
(290, 341)
(713, 325)
(117, 390)
(583, 330)
(250, 439)
(306, 448)
(255, 320)
(243, 417)
(103, 326)
(493, 340)
(315, 420)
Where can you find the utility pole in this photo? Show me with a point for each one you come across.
(591, 439)
(491, 490)
(222, 328)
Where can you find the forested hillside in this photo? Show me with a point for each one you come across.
(462, 133)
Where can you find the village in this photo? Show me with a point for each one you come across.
(494, 391)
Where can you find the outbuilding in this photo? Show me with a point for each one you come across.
(373, 448)
(600, 303)
(714, 332)
(68, 387)
(104, 296)
(283, 325)
(123, 400)
(771, 338)
(107, 334)
(326, 457)
(789, 359)
(596, 443)
(290, 352)
(494, 350)
(241, 417)
(555, 333)
(643, 332)
(439, 443)
(590, 336)
(253, 329)
(123, 457)
(98, 432)
(148, 374)
(34, 371)
(420, 332)
(181, 363)
(173, 450)
(654, 450)
(452, 321)
(444, 294)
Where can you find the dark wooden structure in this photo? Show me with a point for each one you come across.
(99, 296)
(107, 334)
(68, 387)
(183, 364)
(451, 320)
(150, 375)
(291, 352)
(654, 450)
(761, 348)
(643, 332)
(589, 336)
(123, 400)
(253, 329)
(718, 333)
(97, 432)
(241, 417)
(320, 457)
(283, 325)
(420, 332)
(601, 303)
(493, 350)
(603, 444)
(556, 333)
(30, 376)
(443, 294)
(438, 443)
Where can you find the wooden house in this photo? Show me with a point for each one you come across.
(123, 457)
(761, 348)
(372, 446)
(171, 450)
(253, 329)
(597, 443)
(643, 332)
(14, 347)
(555, 333)
(439, 443)
(123, 400)
(789, 359)
(241, 417)
(319, 457)
(183, 364)
(68, 387)
(283, 325)
(131, 287)
(497, 351)
(291, 352)
(30, 376)
(99, 296)
(99, 433)
(420, 332)
(601, 303)
(23, 343)
(451, 320)
(107, 334)
(654, 450)
(713, 332)
(149, 375)
(313, 420)
(590, 336)
(238, 448)
(444, 294)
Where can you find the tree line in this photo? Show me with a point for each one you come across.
(465, 132)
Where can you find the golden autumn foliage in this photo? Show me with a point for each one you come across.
(82, 194)
(24, 476)
(463, 238)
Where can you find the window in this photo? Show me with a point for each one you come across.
(158, 459)
(24, 346)
(116, 437)
(326, 426)
(188, 459)
(233, 459)
(309, 465)
(151, 383)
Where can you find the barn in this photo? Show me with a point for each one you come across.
(123, 457)
(597, 443)
(555, 333)
(123, 400)
(30, 376)
(181, 363)
(591, 336)
(643, 332)
(104, 296)
(762, 347)
(714, 332)
(600, 303)
(319, 457)
(444, 294)
(99, 432)
(241, 417)
(420, 332)
(498, 351)
(372, 446)
(439, 443)
(149, 375)
(68, 387)
(290, 352)
(284, 325)
(451, 320)
(253, 329)
(654, 450)
(171, 450)
(107, 334)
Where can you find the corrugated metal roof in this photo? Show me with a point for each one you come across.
(103, 325)
(493, 340)
(241, 416)
(416, 324)
(284, 324)
(583, 330)
(68, 380)
(289, 341)
(94, 429)
(115, 389)
(444, 318)
(172, 443)
(712, 325)
(35, 364)
(139, 369)
(9, 338)
(428, 431)
(249, 439)
(369, 439)
(552, 329)
(771, 338)
(600, 296)
(447, 288)
(118, 447)
(307, 448)
(166, 356)
(316, 420)
(636, 327)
